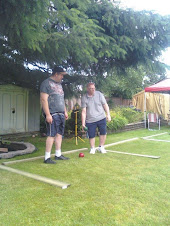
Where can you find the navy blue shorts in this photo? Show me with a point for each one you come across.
(57, 126)
(92, 128)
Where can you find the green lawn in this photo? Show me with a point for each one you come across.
(165, 137)
(106, 189)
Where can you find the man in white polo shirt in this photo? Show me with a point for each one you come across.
(94, 107)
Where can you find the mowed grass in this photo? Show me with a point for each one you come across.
(106, 189)
(165, 137)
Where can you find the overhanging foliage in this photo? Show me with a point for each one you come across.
(92, 39)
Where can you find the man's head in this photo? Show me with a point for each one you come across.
(58, 73)
(91, 88)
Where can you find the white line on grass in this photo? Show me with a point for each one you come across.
(57, 183)
(154, 135)
(158, 140)
(126, 153)
(41, 157)
(121, 142)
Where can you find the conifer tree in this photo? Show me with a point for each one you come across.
(92, 39)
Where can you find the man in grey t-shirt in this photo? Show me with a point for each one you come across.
(52, 100)
(94, 107)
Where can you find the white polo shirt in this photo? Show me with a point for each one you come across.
(94, 106)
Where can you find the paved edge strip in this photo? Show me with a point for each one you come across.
(57, 183)
(121, 142)
(41, 157)
(139, 155)
(154, 135)
(158, 140)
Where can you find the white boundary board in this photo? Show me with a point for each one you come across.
(41, 157)
(159, 134)
(159, 140)
(57, 183)
(121, 142)
(149, 138)
(64, 185)
(139, 155)
(126, 153)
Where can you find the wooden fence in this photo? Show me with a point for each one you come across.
(114, 101)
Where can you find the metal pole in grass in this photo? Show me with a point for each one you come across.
(76, 133)
(145, 108)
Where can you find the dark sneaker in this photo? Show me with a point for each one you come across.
(61, 158)
(49, 161)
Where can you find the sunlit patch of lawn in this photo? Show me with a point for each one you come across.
(106, 189)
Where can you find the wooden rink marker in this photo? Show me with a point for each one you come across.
(53, 182)
(126, 153)
(41, 157)
(139, 155)
(145, 138)
(149, 138)
(64, 185)
(158, 140)
(121, 142)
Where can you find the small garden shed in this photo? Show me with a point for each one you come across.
(19, 110)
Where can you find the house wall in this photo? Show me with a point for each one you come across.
(19, 110)
(33, 111)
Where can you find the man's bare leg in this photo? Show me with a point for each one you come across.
(102, 140)
(92, 145)
(49, 145)
(92, 142)
(58, 141)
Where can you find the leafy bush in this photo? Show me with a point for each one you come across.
(123, 116)
(130, 114)
(70, 123)
(117, 122)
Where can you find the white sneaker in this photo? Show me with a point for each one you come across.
(92, 151)
(102, 150)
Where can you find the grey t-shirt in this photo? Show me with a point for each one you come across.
(56, 95)
(94, 107)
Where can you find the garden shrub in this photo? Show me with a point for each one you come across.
(121, 116)
(130, 114)
(70, 123)
(117, 122)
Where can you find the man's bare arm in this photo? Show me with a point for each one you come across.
(83, 117)
(45, 106)
(106, 108)
(65, 113)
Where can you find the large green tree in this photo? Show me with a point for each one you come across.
(90, 38)
(134, 38)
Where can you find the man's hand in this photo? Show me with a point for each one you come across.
(66, 115)
(106, 108)
(83, 118)
(49, 119)
(108, 117)
(83, 126)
